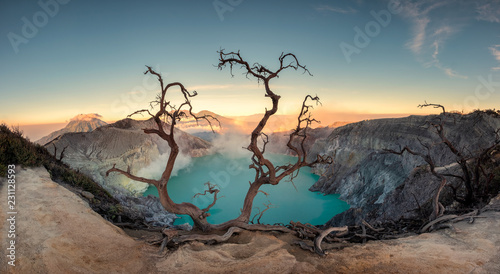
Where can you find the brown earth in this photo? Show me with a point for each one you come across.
(57, 232)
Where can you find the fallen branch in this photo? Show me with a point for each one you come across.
(371, 227)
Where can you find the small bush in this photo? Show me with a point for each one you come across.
(14, 149)
(492, 112)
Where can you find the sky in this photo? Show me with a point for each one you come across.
(60, 58)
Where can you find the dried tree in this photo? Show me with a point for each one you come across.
(265, 171)
(61, 156)
(438, 208)
(473, 173)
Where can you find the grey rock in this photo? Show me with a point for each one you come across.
(125, 144)
(184, 226)
(148, 208)
(87, 195)
(382, 186)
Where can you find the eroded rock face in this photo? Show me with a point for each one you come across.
(125, 144)
(383, 186)
(147, 208)
(315, 138)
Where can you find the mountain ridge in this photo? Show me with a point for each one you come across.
(125, 144)
(79, 123)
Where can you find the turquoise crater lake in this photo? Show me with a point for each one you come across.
(233, 176)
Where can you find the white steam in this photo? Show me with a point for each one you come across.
(232, 145)
(156, 168)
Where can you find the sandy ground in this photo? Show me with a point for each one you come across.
(57, 232)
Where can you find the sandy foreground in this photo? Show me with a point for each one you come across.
(57, 232)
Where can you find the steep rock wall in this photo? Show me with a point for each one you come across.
(373, 182)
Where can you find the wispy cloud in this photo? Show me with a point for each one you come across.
(429, 34)
(488, 11)
(496, 53)
(419, 29)
(451, 73)
(347, 10)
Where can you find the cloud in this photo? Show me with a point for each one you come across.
(430, 33)
(418, 40)
(451, 73)
(418, 14)
(496, 53)
(488, 11)
(347, 10)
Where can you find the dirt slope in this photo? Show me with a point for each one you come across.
(57, 232)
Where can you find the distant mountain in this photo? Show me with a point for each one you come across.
(79, 123)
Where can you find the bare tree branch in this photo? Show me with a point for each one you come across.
(267, 206)
(212, 189)
(432, 105)
(61, 156)
(167, 115)
(130, 176)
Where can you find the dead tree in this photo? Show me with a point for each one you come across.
(473, 172)
(61, 156)
(425, 104)
(438, 208)
(265, 171)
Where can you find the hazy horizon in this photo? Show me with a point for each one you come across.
(37, 131)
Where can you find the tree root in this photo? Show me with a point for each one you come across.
(355, 234)
(438, 220)
(173, 236)
(439, 223)
(307, 231)
(323, 234)
(371, 227)
(207, 238)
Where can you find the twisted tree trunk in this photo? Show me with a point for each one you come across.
(266, 171)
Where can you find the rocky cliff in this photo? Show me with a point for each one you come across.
(125, 144)
(382, 186)
(314, 143)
